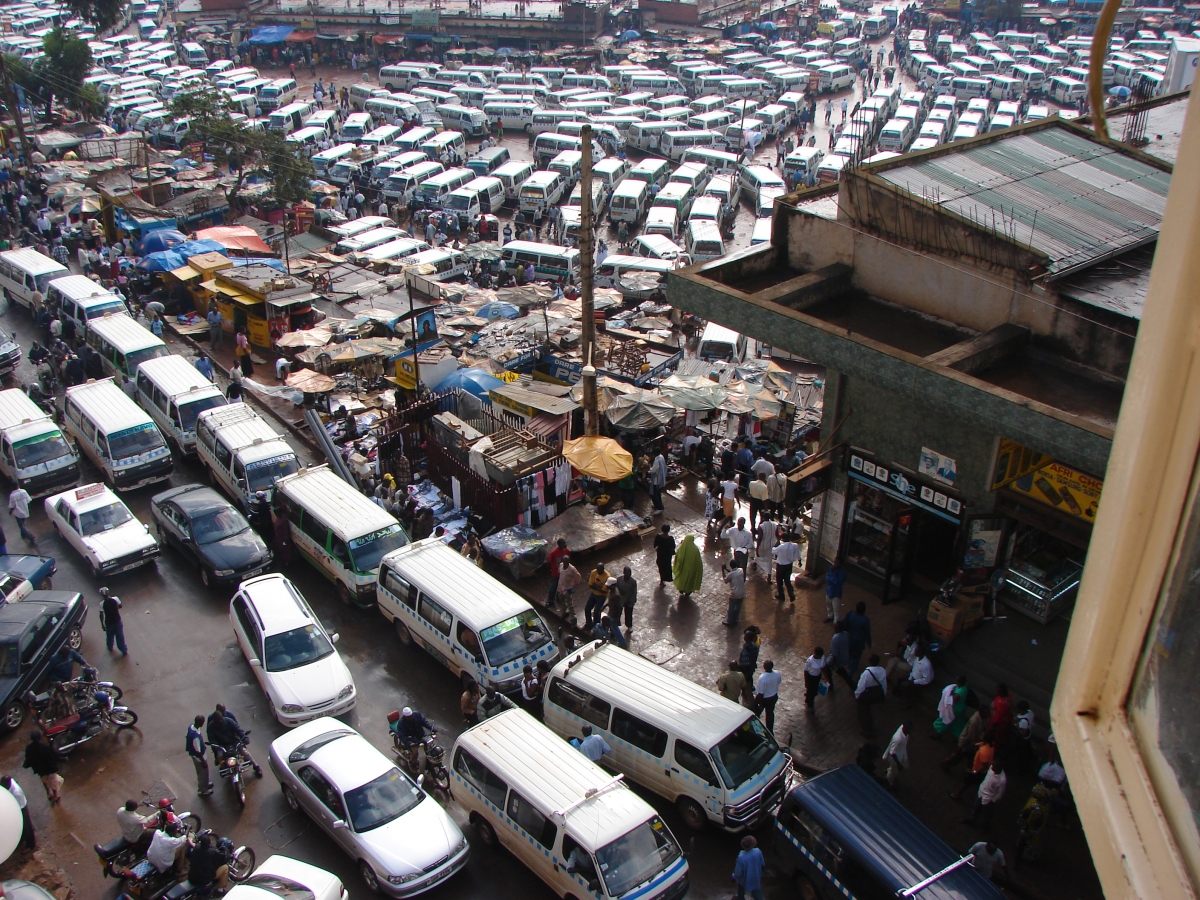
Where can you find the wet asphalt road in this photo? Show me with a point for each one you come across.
(183, 659)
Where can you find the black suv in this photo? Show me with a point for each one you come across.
(31, 631)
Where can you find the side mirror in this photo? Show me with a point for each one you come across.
(334, 638)
(420, 779)
(338, 823)
(594, 885)
(255, 662)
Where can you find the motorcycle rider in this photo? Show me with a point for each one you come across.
(134, 826)
(167, 848)
(410, 730)
(62, 666)
(38, 354)
(208, 865)
(224, 734)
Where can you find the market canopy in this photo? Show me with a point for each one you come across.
(313, 337)
(162, 261)
(599, 457)
(188, 249)
(694, 392)
(640, 409)
(159, 239)
(234, 237)
(474, 381)
(310, 382)
(270, 34)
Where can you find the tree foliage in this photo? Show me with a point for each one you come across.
(59, 75)
(104, 14)
(1000, 10)
(250, 152)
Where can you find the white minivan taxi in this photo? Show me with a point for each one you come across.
(709, 756)
(175, 393)
(341, 532)
(468, 621)
(33, 452)
(121, 439)
(580, 830)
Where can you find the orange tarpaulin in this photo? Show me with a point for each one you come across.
(299, 37)
(234, 237)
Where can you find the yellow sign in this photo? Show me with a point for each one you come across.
(405, 374)
(1014, 461)
(1067, 490)
(506, 376)
(508, 403)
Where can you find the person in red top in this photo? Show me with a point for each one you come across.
(1001, 722)
(554, 560)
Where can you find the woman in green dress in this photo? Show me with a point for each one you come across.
(952, 709)
(689, 568)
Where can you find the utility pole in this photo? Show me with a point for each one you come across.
(10, 97)
(587, 250)
(149, 180)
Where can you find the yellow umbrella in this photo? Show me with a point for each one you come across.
(599, 457)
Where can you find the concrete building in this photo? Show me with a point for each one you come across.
(976, 308)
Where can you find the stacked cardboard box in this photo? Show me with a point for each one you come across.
(948, 620)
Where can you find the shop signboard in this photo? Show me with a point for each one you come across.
(425, 18)
(1068, 490)
(508, 403)
(1014, 461)
(831, 526)
(904, 485)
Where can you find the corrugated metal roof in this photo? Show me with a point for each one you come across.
(1074, 199)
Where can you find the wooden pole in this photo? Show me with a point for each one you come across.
(587, 250)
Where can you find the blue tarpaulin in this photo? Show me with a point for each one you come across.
(189, 249)
(161, 261)
(270, 34)
(258, 260)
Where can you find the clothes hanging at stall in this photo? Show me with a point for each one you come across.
(543, 495)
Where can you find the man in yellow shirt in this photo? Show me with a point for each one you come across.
(598, 584)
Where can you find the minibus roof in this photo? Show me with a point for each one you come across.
(556, 777)
(337, 504)
(683, 706)
(886, 839)
(434, 565)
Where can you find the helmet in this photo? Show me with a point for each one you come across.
(103, 592)
(164, 803)
(406, 712)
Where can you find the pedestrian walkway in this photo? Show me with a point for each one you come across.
(689, 638)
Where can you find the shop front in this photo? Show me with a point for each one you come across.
(1035, 547)
(901, 528)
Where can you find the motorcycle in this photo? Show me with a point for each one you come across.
(66, 732)
(88, 683)
(433, 776)
(232, 763)
(147, 883)
(119, 855)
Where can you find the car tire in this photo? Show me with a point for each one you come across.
(403, 634)
(14, 715)
(206, 578)
(692, 813)
(806, 889)
(75, 638)
(370, 879)
(343, 593)
(290, 797)
(487, 834)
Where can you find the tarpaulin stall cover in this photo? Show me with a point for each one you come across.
(640, 409)
(234, 237)
(599, 457)
(270, 34)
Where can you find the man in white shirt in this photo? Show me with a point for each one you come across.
(987, 859)
(18, 505)
(776, 491)
(131, 822)
(729, 498)
(896, 755)
(991, 792)
(874, 680)
(758, 497)
(920, 674)
(786, 555)
(593, 746)
(762, 466)
(766, 692)
(814, 671)
(736, 579)
(740, 541)
(167, 848)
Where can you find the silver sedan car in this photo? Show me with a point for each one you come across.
(404, 842)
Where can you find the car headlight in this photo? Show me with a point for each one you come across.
(291, 709)
(222, 573)
(109, 564)
(404, 879)
(346, 692)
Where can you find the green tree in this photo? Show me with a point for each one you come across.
(252, 152)
(59, 75)
(1000, 11)
(104, 14)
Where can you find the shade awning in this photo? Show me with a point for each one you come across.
(297, 37)
(270, 34)
(185, 273)
(295, 300)
(235, 237)
(243, 300)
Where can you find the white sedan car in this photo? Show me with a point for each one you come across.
(402, 839)
(101, 528)
(282, 876)
(289, 651)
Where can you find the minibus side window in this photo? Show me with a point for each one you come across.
(579, 703)
(641, 734)
(434, 615)
(315, 530)
(695, 761)
(469, 641)
(404, 592)
(484, 779)
(533, 822)
(89, 431)
(339, 550)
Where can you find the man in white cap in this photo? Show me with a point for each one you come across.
(410, 730)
